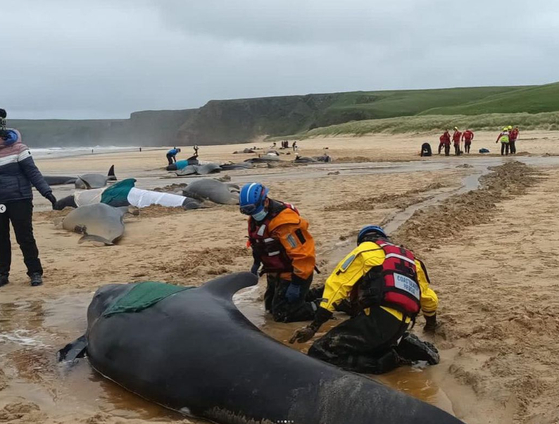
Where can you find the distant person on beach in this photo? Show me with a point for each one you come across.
(195, 150)
(456, 140)
(513, 136)
(426, 149)
(444, 141)
(295, 146)
(468, 137)
(385, 287)
(503, 138)
(282, 245)
(17, 173)
(172, 155)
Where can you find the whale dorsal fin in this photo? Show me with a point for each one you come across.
(228, 285)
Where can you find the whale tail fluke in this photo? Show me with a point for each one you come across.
(228, 285)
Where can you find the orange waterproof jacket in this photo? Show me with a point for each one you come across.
(283, 242)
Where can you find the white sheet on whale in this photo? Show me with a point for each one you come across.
(136, 197)
(143, 198)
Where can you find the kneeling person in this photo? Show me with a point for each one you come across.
(282, 244)
(386, 287)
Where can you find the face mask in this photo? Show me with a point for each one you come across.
(260, 215)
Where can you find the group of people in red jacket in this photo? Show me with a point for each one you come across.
(457, 137)
(507, 137)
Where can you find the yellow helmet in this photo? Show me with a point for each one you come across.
(455, 128)
(510, 127)
(506, 129)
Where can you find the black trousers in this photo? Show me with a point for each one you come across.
(457, 149)
(170, 158)
(20, 213)
(512, 146)
(467, 147)
(364, 343)
(447, 149)
(276, 302)
(504, 149)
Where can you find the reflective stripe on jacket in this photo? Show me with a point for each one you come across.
(283, 242)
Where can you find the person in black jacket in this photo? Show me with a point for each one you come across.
(17, 172)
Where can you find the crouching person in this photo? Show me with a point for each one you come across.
(386, 287)
(282, 245)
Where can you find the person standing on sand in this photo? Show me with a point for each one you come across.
(195, 150)
(17, 173)
(281, 243)
(444, 141)
(385, 287)
(456, 140)
(468, 137)
(504, 139)
(513, 136)
(172, 155)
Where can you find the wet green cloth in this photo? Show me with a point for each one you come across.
(142, 296)
(117, 194)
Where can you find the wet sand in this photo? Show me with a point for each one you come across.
(495, 281)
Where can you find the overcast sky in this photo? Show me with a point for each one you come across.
(107, 58)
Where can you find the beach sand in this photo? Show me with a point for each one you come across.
(491, 258)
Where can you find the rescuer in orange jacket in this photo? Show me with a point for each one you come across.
(282, 245)
(386, 288)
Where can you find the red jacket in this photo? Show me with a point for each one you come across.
(456, 137)
(445, 138)
(513, 134)
(467, 135)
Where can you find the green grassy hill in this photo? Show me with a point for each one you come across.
(436, 123)
(230, 121)
(389, 104)
(544, 98)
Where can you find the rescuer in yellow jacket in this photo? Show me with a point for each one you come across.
(386, 287)
(282, 245)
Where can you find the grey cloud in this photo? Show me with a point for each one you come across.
(82, 59)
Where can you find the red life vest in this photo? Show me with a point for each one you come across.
(394, 283)
(270, 250)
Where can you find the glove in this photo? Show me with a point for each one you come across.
(255, 267)
(293, 293)
(50, 197)
(430, 324)
(302, 335)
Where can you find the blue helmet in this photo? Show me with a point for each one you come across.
(252, 197)
(370, 229)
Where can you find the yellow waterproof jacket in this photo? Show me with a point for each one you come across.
(355, 265)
